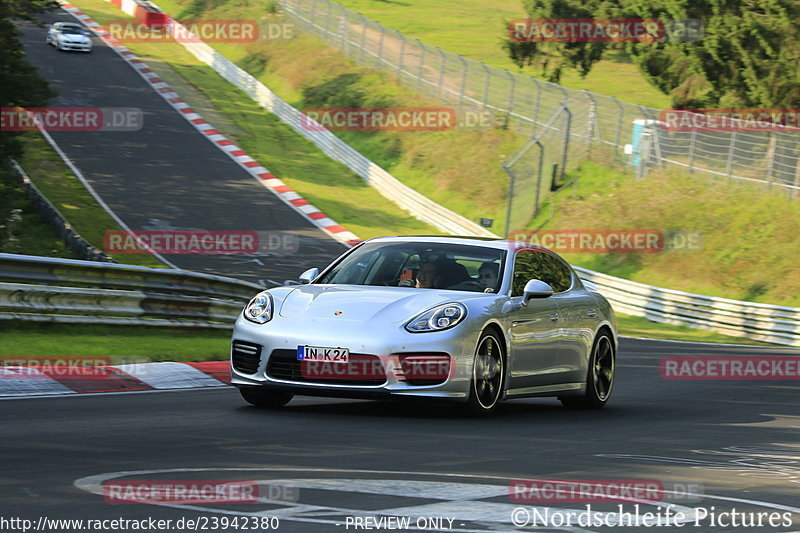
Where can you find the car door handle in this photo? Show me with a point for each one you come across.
(554, 317)
(591, 312)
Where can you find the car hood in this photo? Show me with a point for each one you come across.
(365, 303)
(75, 38)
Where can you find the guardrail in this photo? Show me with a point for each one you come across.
(72, 239)
(768, 323)
(60, 290)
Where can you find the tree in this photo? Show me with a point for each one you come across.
(22, 86)
(556, 56)
(748, 56)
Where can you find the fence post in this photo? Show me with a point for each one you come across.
(797, 178)
(729, 169)
(691, 150)
(773, 141)
(590, 122)
(567, 128)
(539, 179)
(511, 89)
(510, 197)
(402, 55)
(365, 22)
(421, 72)
(328, 20)
(379, 56)
(564, 92)
(485, 96)
(537, 106)
(619, 125)
(463, 81)
(343, 30)
(441, 72)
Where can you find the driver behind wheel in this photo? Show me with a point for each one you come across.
(487, 275)
(426, 277)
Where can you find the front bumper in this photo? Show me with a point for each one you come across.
(380, 341)
(78, 47)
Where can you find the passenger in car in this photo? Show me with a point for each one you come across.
(487, 275)
(426, 277)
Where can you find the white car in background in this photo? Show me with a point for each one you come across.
(68, 36)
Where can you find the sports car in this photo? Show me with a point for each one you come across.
(475, 321)
(66, 36)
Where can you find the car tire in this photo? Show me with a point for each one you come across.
(488, 375)
(265, 399)
(599, 376)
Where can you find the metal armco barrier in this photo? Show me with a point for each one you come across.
(72, 239)
(61, 290)
(768, 323)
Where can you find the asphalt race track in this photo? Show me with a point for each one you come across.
(732, 444)
(168, 175)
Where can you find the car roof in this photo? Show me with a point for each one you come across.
(68, 25)
(486, 242)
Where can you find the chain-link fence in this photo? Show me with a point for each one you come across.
(526, 104)
(537, 168)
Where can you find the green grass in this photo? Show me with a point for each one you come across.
(330, 186)
(59, 185)
(120, 343)
(475, 28)
(34, 236)
(634, 326)
(749, 236)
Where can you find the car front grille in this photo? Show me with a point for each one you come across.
(245, 357)
(363, 370)
(425, 368)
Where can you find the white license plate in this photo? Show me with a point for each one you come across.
(323, 353)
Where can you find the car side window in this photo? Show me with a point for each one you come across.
(533, 264)
(525, 269)
(555, 273)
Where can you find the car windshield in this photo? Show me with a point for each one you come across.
(423, 265)
(72, 30)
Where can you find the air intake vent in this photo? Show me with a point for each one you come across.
(245, 357)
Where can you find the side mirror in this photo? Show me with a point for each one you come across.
(309, 275)
(536, 288)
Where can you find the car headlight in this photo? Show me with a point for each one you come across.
(440, 317)
(259, 310)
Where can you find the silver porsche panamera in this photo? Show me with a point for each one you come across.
(474, 321)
